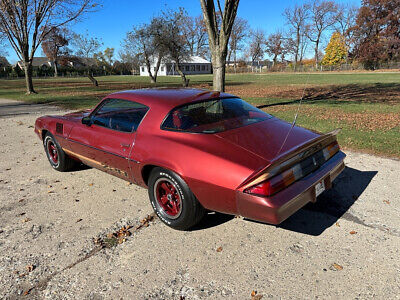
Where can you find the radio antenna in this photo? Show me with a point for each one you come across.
(297, 113)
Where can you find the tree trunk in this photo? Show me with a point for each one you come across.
(229, 55)
(55, 69)
(218, 71)
(316, 54)
(92, 79)
(28, 77)
(185, 81)
(218, 38)
(234, 60)
(296, 55)
(153, 79)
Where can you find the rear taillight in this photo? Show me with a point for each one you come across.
(330, 150)
(294, 173)
(277, 183)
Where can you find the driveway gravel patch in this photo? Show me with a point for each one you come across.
(54, 226)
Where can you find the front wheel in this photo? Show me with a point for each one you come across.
(56, 155)
(173, 201)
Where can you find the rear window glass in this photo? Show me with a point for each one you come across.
(213, 116)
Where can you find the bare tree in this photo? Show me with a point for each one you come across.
(296, 18)
(346, 19)
(275, 46)
(132, 60)
(54, 44)
(218, 36)
(240, 31)
(21, 22)
(3, 38)
(172, 39)
(106, 59)
(85, 45)
(323, 15)
(257, 45)
(195, 34)
(143, 41)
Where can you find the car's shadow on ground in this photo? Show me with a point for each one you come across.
(212, 219)
(314, 218)
(79, 167)
(331, 205)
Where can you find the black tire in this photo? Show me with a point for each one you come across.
(62, 162)
(189, 212)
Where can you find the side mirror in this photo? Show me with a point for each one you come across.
(87, 121)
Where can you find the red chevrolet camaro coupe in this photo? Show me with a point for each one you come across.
(195, 150)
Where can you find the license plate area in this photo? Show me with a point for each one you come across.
(319, 188)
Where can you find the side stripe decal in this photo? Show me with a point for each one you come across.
(130, 159)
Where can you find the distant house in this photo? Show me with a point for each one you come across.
(39, 62)
(3, 62)
(78, 62)
(73, 61)
(193, 65)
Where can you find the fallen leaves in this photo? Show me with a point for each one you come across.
(112, 239)
(219, 249)
(28, 268)
(256, 296)
(353, 232)
(364, 121)
(27, 292)
(336, 267)
(26, 220)
(386, 201)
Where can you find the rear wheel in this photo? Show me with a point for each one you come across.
(55, 154)
(173, 201)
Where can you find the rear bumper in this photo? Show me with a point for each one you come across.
(279, 207)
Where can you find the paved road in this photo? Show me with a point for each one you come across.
(10, 108)
(344, 247)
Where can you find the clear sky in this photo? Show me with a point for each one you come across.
(116, 17)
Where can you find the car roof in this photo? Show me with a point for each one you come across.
(168, 97)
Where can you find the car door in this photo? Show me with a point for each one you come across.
(108, 139)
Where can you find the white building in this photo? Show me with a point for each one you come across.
(193, 65)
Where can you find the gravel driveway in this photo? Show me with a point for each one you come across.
(57, 242)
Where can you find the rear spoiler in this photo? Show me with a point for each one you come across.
(287, 159)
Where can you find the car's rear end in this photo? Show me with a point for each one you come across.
(291, 180)
(279, 167)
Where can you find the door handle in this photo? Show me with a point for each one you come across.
(125, 145)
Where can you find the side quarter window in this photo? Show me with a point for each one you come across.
(120, 115)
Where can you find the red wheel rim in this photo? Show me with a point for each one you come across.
(168, 198)
(53, 152)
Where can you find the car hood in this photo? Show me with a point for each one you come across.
(266, 138)
(76, 116)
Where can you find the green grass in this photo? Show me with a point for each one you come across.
(373, 99)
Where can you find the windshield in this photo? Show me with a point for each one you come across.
(213, 116)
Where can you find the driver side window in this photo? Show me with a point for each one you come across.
(121, 115)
